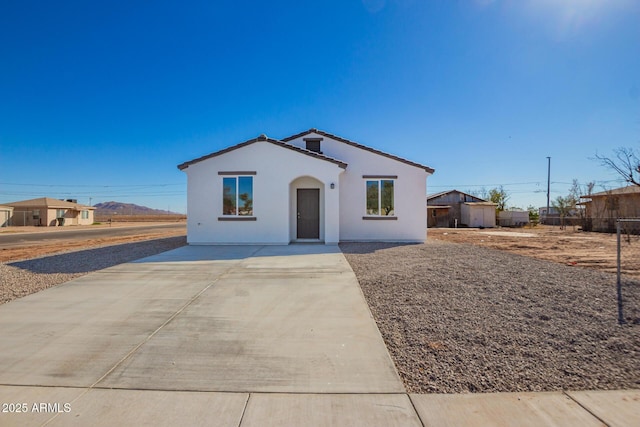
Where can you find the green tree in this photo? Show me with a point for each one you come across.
(564, 205)
(534, 215)
(499, 196)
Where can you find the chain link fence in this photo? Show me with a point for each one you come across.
(628, 269)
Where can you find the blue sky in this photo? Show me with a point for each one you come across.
(102, 100)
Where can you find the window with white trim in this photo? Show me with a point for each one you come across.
(380, 200)
(237, 196)
(84, 214)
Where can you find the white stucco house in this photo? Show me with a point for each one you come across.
(309, 187)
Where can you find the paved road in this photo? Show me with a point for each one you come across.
(27, 239)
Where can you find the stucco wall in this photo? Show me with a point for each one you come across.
(87, 221)
(24, 216)
(409, 194)
(276, 169)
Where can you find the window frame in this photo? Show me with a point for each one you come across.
(236, 177)
(380, 179)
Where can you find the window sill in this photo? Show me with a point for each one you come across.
(380, 218)
(237, 218)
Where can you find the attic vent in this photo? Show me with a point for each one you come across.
(313, 144)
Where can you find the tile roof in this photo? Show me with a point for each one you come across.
(355, 144)
(276, 142)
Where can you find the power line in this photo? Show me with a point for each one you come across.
(100, 195)
(537, 183)
(89, 185)
(484, 185)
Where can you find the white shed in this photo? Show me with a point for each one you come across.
(6, 212)
(478, 214)
(513, 218)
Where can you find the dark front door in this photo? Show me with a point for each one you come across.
(308, 213)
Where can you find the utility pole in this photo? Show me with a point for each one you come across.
(548, 187)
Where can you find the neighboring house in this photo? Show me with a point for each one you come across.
(455, 208)
(309, 187)
(573, 217)
(5, 215)
(604, 208)
(46, 211)
(513, 218)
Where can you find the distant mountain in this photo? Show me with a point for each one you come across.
(119, 208)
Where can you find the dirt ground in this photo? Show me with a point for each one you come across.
(54, 247)
(570, 247)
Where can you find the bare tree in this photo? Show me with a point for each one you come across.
(578, 193)
(626, 163)
(481, 193)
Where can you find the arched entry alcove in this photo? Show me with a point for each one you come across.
(306, 210)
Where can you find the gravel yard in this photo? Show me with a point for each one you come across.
(461, 318)
(21, 278)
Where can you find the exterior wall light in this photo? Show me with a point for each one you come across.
(333, 186)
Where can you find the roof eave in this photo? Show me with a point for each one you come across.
(277, 142)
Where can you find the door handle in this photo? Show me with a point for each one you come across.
(298, 215)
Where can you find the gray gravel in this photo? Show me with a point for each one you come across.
(21, 278)
(460, 318)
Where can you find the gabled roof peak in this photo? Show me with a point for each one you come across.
(358, 145)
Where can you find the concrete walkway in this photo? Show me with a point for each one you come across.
(235, 336)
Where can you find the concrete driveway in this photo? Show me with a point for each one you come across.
(200, 335)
